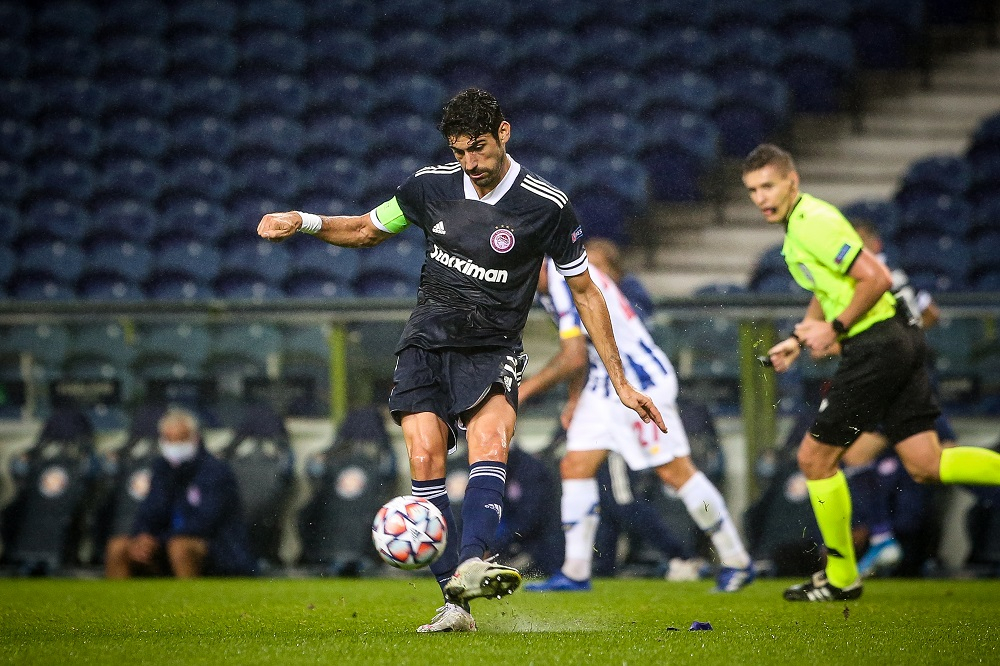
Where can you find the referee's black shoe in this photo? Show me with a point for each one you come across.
(818, 588)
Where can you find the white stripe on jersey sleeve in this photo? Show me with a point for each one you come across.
(575, 267)
(451, 167)
(566, 314)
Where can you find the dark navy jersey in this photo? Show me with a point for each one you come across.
(483, 255)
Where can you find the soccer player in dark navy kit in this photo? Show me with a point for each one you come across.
(488, 223)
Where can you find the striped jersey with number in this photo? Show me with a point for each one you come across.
(645, 363)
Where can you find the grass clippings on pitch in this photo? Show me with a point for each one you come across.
(372, 622)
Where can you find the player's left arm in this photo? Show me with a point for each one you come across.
(593, 311)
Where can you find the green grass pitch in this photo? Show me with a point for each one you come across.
(372, 622)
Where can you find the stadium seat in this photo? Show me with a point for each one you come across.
(611, 189)
(14, 60)
(206, 96)
(61, 55)
(8, 261)
(611, 91)
(408, 134)
(269, 132)
(412, 51)
(742, 50)
(207, 15)
(71, 179)
(884, 214)
(563, 15)
(67, 18)
(607, 133)
(272, 14)
(387, 173)
(247, 252)
(399, 257)
(38, 286)
(680, 151)
(985, 177)
(198, 135)
(191, 218)
(16, 139)
(336, 135)
(265, 175)
(53, 218)
(135, 135)
(541, 49)
(133, 55)
(884, 32)
(349, 14)
(198, 260)
(799, 15)
(15, 21)
(414, 93)
(272, 51)
(104, 343)
(545, 133)
(182, 343)
(62, 260)
(679, 48)
(202, 177)
(19, 99)
(107, 286)
(263, 92)
(985, 215)
(683, 90)
(728, 15)
(333, 262)
(13, 182)
(125, 219)
(145, 96)
(394, 14)
(942, 214)
(248, 285)
(244, 349)
(73, 96)
(750, 109)
(612, 47)
(337, 177)
(931, 177)
(341, 52)
(463, 42)
(139, 17)
(985, 260)
(818, 66)
(173, 285)
(260, 455)
(68, 137)
(308, 284)
(344, 94)
(382, 286)
(204, 54)
(46, 344)
(945, 256)
(551, 93)
(125, 258)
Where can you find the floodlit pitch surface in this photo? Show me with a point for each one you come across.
(372, 622)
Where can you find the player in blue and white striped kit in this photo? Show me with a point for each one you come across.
(596, 424)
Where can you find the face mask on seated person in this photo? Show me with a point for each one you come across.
(178, 453)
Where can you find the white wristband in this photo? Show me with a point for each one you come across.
(311, 223)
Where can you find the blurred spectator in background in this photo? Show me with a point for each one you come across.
(607, 258)
(190, 523)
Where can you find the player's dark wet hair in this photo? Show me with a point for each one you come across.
(768, 154)
(472, 112)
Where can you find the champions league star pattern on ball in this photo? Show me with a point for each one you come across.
(409, 532)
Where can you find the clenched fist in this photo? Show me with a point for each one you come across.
(279, 226)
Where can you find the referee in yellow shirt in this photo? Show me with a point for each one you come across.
(881, 378)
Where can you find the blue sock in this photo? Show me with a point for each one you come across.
(482, 507)
(434, 490)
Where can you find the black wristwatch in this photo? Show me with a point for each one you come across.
(838, 327)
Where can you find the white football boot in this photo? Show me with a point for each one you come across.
(450, 617)
(477, 578)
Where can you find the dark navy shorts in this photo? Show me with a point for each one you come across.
(881, 384)
(449, 382)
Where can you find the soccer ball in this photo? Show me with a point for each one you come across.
(409, 532)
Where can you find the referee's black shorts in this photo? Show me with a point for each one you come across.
(882, 383)
(449, 382)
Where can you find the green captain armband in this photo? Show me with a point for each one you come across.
(389, 217)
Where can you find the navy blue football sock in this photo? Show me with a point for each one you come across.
(482, 507)
(434, 490)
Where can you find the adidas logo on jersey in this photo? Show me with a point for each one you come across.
(439, 228)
